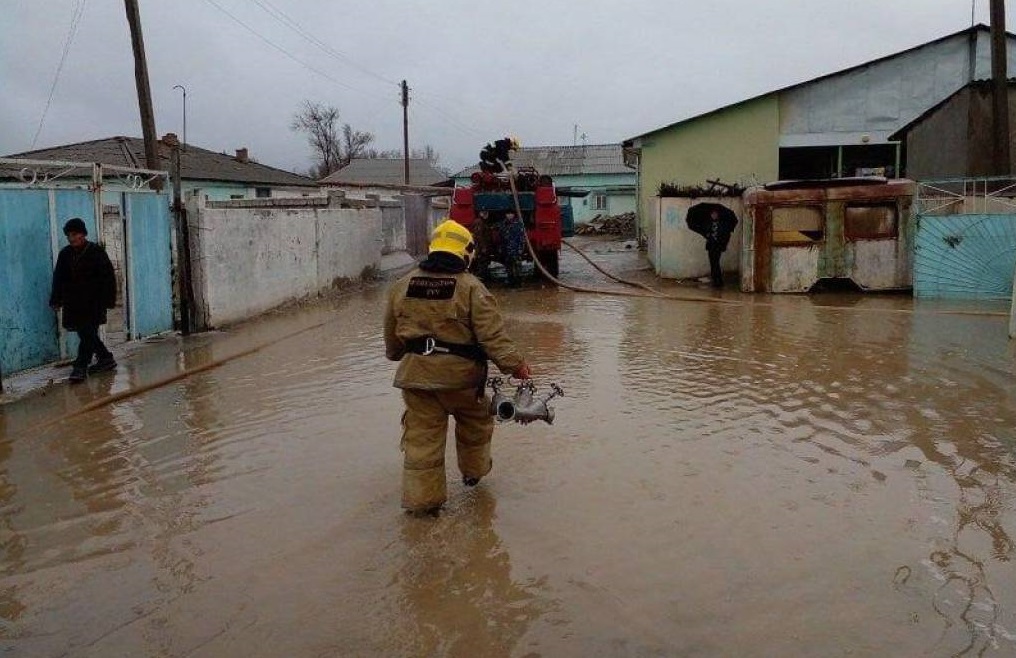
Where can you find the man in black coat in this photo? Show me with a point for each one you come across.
(719, 226)
(84, 286)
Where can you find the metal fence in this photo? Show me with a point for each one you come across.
(36, 198)
(965, 244)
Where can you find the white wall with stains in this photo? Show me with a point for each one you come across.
(677, 252)
(253, 255)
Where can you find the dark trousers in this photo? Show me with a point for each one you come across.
(715, 273)
(90, 345)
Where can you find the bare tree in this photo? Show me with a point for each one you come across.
(354, 143)
(427, 153)
(332, 151)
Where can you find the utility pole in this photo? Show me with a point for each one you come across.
(405, 133)
(1000, 88)
(144, 90)
(183, 253)
(184, 114)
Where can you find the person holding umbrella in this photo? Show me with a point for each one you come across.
(714, 222)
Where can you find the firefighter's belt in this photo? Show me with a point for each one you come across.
(427, 345)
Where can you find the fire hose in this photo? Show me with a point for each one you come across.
(646, 291)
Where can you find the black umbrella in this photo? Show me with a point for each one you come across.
(700, 217)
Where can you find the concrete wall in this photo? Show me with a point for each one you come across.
(736, 145)
(393, 228)
(251, 256)
(677, 252)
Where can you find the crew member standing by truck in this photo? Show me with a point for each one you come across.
(442, 324)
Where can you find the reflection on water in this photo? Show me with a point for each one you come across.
(778, 477)
(452, 590)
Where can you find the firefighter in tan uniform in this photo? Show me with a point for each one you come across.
(442, 325)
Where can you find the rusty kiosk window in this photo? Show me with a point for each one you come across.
(800, 225)
(869, 221)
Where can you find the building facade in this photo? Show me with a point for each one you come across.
(839, 125)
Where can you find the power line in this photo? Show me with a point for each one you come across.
(283, 50)
(283, 18)
(78, 13)
(462, 127)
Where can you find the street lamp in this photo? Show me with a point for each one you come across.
(184, 89)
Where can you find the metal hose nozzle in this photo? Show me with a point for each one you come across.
(501, 404)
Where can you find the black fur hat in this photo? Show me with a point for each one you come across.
(75, 225)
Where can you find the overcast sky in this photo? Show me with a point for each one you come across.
(476, 70)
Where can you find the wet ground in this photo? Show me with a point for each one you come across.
(785, 476)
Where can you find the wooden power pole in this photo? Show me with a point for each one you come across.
(405, 133)
(144, 90)
(1000, 88)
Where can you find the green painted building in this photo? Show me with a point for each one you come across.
(836, 126)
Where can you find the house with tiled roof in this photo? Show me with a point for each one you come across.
(384, 172)
(592, 179)
(218, 176)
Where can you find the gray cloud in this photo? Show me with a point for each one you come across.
(476, 70)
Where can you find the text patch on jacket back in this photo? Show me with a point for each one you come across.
(422, 287)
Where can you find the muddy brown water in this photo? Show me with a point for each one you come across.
(773, 478)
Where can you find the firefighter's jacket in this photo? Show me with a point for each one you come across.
(454, 307)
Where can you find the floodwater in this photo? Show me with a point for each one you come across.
(785, 476)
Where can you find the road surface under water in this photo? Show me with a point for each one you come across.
(786, 476)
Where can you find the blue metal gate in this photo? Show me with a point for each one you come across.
(33, 209)
(965, 245)
(149, 264)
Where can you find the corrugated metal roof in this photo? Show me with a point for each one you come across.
(386, 171)
(567, 160)
(195, 163)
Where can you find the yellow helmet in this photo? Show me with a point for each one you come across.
(454, 238)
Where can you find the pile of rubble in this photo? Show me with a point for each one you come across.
(623, 224)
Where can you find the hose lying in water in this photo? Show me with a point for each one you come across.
(183, 374)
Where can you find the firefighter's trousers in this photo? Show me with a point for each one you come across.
(424, 431)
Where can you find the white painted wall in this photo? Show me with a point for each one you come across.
(677, 252)
(253, 255)
(794, 268)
